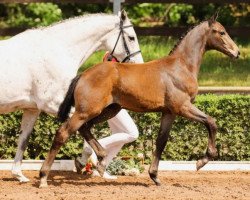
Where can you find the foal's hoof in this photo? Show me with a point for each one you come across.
(157, 182)
(43, 185)
(79, 166)
(155, 179)
(100, 168)
(200, 163)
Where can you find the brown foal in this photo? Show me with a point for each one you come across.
(167, 85)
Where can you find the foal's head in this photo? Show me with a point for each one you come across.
(122, 42)
(219, 39)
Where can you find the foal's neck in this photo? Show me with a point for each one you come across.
(192, 47)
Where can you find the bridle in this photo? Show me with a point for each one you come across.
(129, 55)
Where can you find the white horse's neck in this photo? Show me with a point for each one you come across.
(84, 35)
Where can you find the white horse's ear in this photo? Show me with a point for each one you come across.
(123, 15)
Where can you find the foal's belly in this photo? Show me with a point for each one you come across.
(142, 104)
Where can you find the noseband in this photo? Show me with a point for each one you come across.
(129, 55)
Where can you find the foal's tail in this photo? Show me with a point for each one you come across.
(68, 101)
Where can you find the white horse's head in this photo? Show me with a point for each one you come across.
(122, 42)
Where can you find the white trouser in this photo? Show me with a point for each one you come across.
(123, 131)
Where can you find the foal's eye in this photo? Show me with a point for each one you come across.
(222, 33)
(131, 38)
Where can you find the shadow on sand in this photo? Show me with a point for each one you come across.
(58, 178)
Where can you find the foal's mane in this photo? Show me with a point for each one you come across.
(183, 36)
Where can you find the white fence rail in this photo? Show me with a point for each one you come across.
(224, 90)
(68, 165)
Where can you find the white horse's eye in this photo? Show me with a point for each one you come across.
(131, 38)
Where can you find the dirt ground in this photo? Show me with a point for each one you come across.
(175, 185)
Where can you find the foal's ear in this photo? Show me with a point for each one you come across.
(123, 15)
(214, 17)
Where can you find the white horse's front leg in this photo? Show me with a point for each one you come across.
(28, 120)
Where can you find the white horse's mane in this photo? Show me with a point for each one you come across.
(82, 17)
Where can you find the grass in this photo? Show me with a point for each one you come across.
(216, 69)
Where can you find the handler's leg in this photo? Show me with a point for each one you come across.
(123, 130)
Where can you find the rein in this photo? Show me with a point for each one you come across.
(129, 55)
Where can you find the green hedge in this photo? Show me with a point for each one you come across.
(188, 139)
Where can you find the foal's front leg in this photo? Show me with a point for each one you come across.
(69, 127)
(188, 110)
(167, 120)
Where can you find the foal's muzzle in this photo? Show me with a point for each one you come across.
(238, 54)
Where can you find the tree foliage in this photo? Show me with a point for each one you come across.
(149, 14)
(144, 14)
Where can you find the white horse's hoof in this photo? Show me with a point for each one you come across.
(20, 177)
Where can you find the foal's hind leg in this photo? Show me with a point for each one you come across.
(188, 110)
(69, 127)
(167, 120)
(95, 145)
(106, 114)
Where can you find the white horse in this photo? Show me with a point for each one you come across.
(37, 65)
